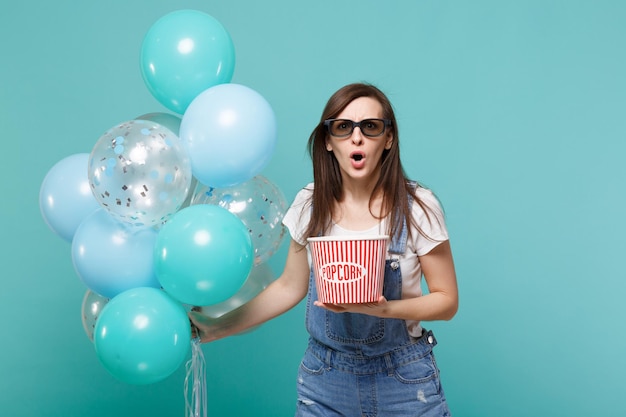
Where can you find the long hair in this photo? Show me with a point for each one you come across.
(393, 183)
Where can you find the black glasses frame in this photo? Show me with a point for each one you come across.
(327, 123)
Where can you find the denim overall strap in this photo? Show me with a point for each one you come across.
(361, 334)
(398, 242)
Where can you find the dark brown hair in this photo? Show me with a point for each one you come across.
(392, 183)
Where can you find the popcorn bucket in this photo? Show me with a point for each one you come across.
(349, 270)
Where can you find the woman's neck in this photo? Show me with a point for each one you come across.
(358, 190)
(358, 209)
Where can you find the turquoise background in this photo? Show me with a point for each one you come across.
(513, 112)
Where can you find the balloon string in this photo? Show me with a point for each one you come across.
(195, 382)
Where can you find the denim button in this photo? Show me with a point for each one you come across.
(430, 340)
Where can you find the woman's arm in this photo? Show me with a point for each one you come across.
(280, 296)
(440, 304)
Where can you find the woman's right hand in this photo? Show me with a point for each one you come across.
(202, 327)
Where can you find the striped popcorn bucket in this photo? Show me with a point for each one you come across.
(348, 269)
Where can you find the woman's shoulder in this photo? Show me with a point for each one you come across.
(306, 191)
(427, 197)
(429, 217)
(421, 191)
(303, 195)
(424, 193)
(297, 216)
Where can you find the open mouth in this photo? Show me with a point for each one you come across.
(357, 156)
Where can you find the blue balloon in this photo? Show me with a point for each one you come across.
(184, 53)
(229, 132)
(65, 197)
(203, 255)
(142, 336)
(110, 257)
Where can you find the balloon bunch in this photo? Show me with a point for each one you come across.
(169, 211)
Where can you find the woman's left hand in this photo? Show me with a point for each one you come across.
(371, 309)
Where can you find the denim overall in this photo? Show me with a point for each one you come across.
(360, 365)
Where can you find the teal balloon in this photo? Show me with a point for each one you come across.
(229, 132)
(203, 255)
(184, 53)
(142, 336)
(170, 121)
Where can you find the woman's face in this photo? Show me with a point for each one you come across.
(359, 155)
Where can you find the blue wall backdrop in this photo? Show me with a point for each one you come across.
(513, 112)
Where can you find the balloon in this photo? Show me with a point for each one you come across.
(110, 257)
(184, 53)
(140, 173)
(92, 306)
(203, 255)
(259, 204)
(170, 121)
(142, 336)
(229, 132)
(65, 197)
(260, 277)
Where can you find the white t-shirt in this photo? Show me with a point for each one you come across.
(297, 219)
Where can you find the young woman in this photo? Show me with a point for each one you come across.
(371, 359)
